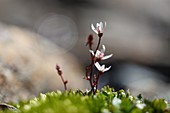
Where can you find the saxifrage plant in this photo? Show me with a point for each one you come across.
(105, 100)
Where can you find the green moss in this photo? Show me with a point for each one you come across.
(102, 102)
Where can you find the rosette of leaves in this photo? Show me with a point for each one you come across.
(85, 102)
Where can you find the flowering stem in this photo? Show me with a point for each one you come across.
(61, 76)
(93, 61)
(96, 57)
(97, 80)
(98, 44)
(91, 68)
(64, 82)
(89, 78)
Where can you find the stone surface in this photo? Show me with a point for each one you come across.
(137, 31)
(28, 65)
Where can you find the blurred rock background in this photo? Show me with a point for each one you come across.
(27, 65)
(35, 35)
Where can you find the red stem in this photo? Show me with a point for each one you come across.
(64, 82)
(91, 68)
(98, 45)
(97, 80)
(92, 64)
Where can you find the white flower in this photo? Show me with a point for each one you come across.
(99, 27)
(100, 54)
(116, 101)
(101, 68)
(140, 105)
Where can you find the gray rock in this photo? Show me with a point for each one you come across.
(28, 65)
(4, 106)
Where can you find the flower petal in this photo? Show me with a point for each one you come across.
(106, 69)
(105, 24)
(97, 25)
(103, 48)
(92, 52)
(107, 57)
(102, 68)
(93, 28)
(101, 26)
(97, 55)
(98, 66)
